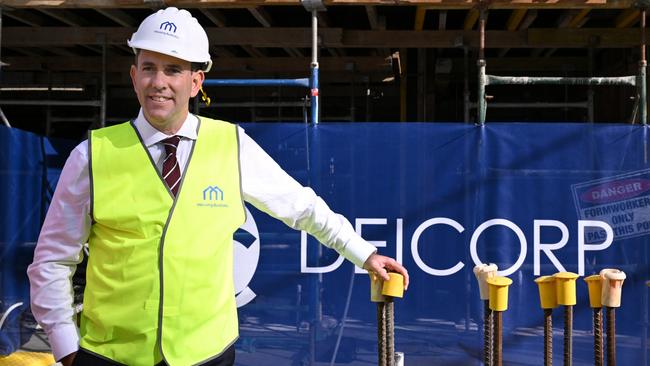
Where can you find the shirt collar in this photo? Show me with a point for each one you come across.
(151, 136)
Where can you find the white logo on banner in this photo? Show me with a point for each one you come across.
(246, 256)
(538, 246)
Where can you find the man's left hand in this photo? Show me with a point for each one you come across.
(380, 265)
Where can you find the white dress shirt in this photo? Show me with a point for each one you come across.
(67, 225)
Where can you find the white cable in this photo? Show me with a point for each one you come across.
(6, 314)
(2, 115)
(345, 316)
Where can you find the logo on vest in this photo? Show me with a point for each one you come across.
(246, 250)
(212, 197)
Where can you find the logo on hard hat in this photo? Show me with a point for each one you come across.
(168, 26)
(246, 249)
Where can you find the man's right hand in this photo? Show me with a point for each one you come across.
(379, 265)
(69, 359)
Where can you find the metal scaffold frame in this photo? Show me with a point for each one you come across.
(313, 6)
(97, 103)
(638, 81)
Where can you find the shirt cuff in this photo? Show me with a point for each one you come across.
(64, 339)
(358, 250)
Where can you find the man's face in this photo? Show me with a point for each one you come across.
(164, 85)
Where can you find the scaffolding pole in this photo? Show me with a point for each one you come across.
(257, 82)
(482, 79)
(2, 115)
(641, 84)
(314, 68)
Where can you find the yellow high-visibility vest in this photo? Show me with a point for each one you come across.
(159, 281)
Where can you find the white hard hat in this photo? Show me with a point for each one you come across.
(175, 33)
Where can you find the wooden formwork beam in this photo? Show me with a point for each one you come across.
(431, 4)
(627, 18)
(341, 38)
(515, 19)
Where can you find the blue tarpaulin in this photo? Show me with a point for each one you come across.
(535, 199)
(29, 168)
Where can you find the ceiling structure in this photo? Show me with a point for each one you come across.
(62, 43)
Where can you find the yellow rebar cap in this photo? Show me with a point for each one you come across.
(395, 286)
(547, 292)
(376, 285)
(648, 283)
(482, 273)
(22, 358)
(595, 284)
(565, 287)
(612, 287)
(499, 292)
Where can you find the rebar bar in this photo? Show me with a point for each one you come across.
(598, 337)
(487, 333)
(611, 336)
(390, 332)
(498, 342)
(568, 334)
(381, 333)
(548, 337)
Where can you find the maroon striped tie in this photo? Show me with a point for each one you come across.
(171, 170)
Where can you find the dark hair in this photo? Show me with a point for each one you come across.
(194, 66)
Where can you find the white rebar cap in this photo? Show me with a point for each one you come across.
(175, 33)
(612, 287)
(482, 273)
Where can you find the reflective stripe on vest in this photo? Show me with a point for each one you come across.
(159, 281)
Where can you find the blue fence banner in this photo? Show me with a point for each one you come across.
(533, 198)
(29, 169)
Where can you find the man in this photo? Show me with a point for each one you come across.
(160, 277)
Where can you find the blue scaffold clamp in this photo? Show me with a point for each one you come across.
(642, 4)
(311, 5)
